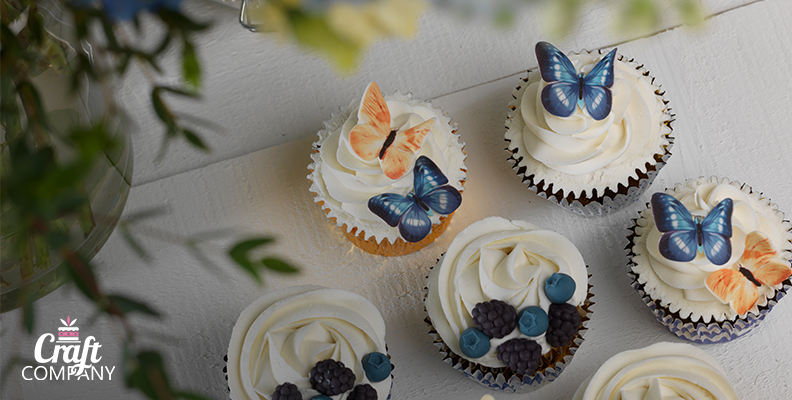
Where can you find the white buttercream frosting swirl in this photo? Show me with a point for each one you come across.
(579, 153)
(681, 285)
(283, 334)
(344, 182)
(663, 371)
(499, 259)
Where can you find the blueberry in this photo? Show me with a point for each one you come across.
(377, 366)
(474, 343)
(559, 288)
(533, 321)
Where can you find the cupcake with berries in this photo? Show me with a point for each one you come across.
(309, 342)
(508, 304)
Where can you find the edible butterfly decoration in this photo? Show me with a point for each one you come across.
(566, 88)
(411, 213)
(759, 265)
(684, 235)
(372, 138)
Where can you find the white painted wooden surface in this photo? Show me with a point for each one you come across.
(262, 93)
(728, 85)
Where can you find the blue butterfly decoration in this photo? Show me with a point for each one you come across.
(567, 89)
(684, 235)
(411, 213)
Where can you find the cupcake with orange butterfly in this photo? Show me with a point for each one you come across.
(710, 258)
(389, 171)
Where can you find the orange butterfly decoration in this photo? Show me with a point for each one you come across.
(759, 265)
(373, 137)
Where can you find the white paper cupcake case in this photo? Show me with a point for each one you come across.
(714, 332)
(512, 384)
(600, 203)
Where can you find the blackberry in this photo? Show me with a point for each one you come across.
(523, 356)
(363, 392)
(495, 318)
(331, 377)
(564, 324)
(287, 391)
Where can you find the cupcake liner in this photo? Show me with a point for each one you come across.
(706, 333)
(400, 247)
(714, 331)
(593, 202)
(504, 379)
(228, 389)
(369, 240)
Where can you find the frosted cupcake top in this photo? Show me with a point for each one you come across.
(344, 181)
(578, 152)
(281, 336)
(663, 371)
(508, 261)
(683, 286)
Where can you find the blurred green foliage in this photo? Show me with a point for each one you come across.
(45, 155)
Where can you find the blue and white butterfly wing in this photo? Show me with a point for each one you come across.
(390, 207)
(602, 74)
(678, 245)
(716, 231)
(717, 248)
(599, 101)
(561, 98)
(414, 224)
(679, 241)
(554, 65)
(443, 200)
(427, 176)
(670, 214)
(596, 87)
(719, 219)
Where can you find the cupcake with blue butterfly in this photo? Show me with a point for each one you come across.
(710, 258)
(508, 304)
(588, 131)
(389, 171)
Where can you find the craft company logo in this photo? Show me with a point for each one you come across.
(80, 359)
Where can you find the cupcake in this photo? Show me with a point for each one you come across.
(600, 151)
(311, 341)
(710, 258)
(388, 171)
(660, 371)
(508, 304)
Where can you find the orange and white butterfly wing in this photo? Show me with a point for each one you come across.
(368, 136)
(774, 272)
(733, 287)
(758, 248)
(761, 258)
(400, 155)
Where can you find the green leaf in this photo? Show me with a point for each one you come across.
(279, 265)
(639, 16)
(179, 91)
(191, 69)
(127, 305)
(692, 11)
(144, 371)
(240, 253)
(314, 33)
(162, 111)
(195, 140)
